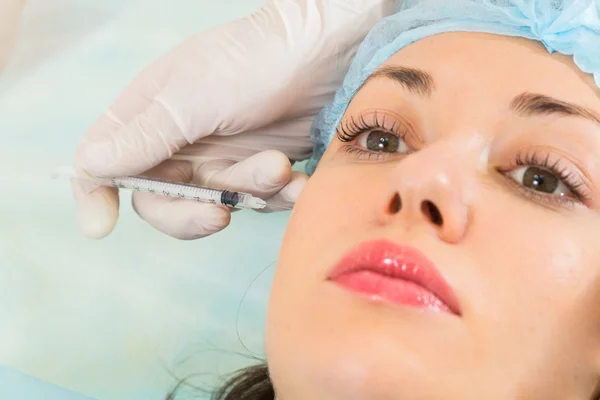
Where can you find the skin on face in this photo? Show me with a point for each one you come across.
(524, 264)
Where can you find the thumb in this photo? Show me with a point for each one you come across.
(98, 211)
(149, 138)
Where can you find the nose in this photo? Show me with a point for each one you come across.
(428, 188)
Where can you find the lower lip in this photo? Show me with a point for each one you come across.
(388, 289)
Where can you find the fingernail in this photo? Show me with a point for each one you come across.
(264, 181)
(88, 187)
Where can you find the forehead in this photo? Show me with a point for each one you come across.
(485, 65)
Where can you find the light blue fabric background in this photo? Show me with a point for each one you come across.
(16, 385)
(111, 319)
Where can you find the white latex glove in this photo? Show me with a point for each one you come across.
(224, 95)
(10, 13)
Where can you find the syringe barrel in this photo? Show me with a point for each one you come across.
(180, 190)
(172, 189)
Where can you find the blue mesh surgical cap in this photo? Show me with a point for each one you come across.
(570, 27)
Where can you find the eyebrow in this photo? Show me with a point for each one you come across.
(414, 80)
(527, 104)
(530, 104)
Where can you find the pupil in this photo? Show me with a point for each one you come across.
(381, 141)
(540, 179)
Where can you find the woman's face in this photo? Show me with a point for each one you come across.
(483, 167)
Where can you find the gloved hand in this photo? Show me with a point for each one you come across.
(10, 12)
(225, 95)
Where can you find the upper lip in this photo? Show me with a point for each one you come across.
(402, 262)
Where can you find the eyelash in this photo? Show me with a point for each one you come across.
(569, 178)
(352, 128)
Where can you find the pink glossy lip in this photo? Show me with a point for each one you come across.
(398, 274)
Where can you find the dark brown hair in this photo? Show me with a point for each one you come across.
(252, 383)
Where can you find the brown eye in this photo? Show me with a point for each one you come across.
(383, 142)
(540, 180)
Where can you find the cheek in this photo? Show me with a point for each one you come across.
(336, 206)
(537, 273)
(311, 222)
(542, 261)
(336, 200)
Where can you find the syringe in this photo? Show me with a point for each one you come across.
(174, 189)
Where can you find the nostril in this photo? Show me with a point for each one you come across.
(432, 212)
(395, 205)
